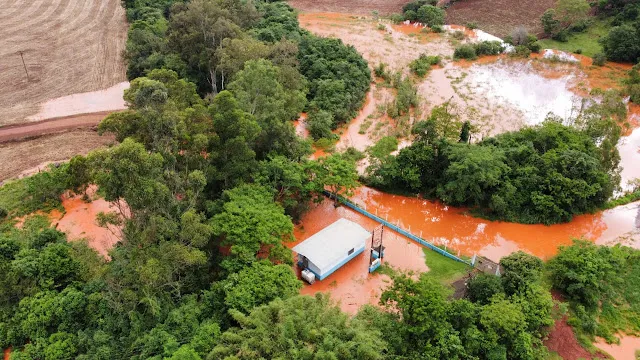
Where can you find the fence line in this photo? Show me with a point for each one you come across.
(395, 228)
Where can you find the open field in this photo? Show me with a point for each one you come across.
(69, 47)
(31, 155)
(499, 17)
(359, 7)
(586, 41)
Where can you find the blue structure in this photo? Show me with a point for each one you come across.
(331, 248)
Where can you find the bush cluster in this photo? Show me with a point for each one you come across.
(472, 51)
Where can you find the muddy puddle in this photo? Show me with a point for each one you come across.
(83, 103)
(352, 285)
(626, 350)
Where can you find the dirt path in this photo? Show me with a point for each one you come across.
(50, 126)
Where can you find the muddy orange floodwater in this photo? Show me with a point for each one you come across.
(461, 233)
(626, 350)
(352, 285)
(468, 235)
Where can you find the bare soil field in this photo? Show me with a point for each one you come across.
(499, 17)
(69, 47)
(359, 7)
(31, 156)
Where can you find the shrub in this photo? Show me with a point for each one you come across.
(472, 25)
(549, 22)
(382, 27)
(622, 43)
(422, 65)
(599, 59)
(465, 51)
(381, 71)
(319, 124)
(488, 48)
(430, 15)
(578, 51)
(634, 93)
(535, 47)
(437, 29)
(3, 213)
(521, 51)
(410, 15)
(324, 144)
(396, 18)
(458, 35)
(417, 4)
(562, 36)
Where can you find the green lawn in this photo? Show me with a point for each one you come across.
(444, 269)
(586, 41)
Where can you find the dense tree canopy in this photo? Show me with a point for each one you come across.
(544, 174)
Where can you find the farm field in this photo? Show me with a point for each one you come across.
(30, 156)
(499, 17)
(68, 46)
(360, 7)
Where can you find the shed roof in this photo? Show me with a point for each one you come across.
(333, 243)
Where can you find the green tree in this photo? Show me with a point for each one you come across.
(520, 271)
(250, 220)
(622, 43)
(259, 284)
(299, 328)
(319, 124)
(430, 15)
(337, 173)
(472, 174)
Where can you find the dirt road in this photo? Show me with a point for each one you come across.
(50, 126)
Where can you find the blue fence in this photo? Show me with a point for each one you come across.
(396, 228)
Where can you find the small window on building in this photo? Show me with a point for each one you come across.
(351, 251)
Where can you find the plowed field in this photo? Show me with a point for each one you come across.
(499, 17)
(69, 47)
(359, 7)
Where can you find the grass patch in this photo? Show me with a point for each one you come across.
(624, 200)
(442, 268)
(39, 192)
(586, 41)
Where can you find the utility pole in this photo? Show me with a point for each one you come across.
(23, 64)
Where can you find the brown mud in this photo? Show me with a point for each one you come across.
(80, 222)
(562, 340)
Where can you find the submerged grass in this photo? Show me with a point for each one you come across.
(443, 269)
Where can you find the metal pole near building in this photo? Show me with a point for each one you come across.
(23, 64)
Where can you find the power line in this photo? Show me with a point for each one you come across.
(23, 64)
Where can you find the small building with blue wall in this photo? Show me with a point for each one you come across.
(332, 247)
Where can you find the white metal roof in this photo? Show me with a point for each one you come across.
(333, 243)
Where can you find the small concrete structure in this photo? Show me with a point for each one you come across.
(332, 247)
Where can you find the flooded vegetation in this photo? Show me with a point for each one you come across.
(179, 241)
